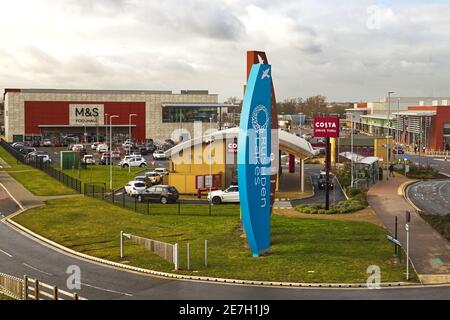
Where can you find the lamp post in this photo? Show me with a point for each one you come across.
(110, 151)
(129, 134)
(300, 124)
(388, 147)
(351, 148)
(106, 128)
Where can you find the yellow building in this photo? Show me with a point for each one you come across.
(190, 167)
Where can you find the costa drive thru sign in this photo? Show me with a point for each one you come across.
(326, 127)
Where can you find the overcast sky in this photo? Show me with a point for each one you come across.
(346, 50)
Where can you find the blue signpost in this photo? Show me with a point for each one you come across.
(254, 159)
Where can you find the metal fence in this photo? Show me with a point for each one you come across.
(181, 207)
(11, 286)
(33, 289)
(167, 251)
(37, 163)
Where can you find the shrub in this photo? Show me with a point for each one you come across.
(322, 211)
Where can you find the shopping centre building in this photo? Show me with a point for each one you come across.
(415, 121)
(35, 114)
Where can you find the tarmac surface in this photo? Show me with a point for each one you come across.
(432, 196)
(22, 255)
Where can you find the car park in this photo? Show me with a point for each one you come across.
(159, 155)
(229, 195)
(160, 193)
(134, 188)
(322, 181)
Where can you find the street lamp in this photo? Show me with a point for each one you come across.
(110, 151)
(389, 133)
(129, 134)
(106, 129)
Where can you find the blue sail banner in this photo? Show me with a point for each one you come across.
(254, 159)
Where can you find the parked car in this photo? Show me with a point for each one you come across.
(134, 188)
(95, 145)
(307, 136)
(140, 178)
(45, 158)
(105, 159)
(88, 159)
(101, 148)
(153, 177)
(160, 193)
(47, 143)
(161, 171)
(135, 161)
(159, 155)
(398, 150)
(322, 181)
(115, 155)
(77, 147)
(27, 150)
(17, 145)
(231, 194)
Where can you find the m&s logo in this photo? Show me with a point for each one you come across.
(86, 112)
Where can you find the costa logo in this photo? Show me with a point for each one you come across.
(326, 125)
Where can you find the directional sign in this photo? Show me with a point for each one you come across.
(392, 239)
(405, 156)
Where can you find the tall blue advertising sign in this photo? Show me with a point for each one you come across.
(254, 159)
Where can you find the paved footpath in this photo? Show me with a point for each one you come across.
(429, 251)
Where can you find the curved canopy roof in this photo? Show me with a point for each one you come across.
(287, 142)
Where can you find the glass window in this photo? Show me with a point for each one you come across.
(188, 114)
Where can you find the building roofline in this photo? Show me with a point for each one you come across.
(105, 91)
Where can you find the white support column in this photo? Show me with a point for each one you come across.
(175, 256)
(302, 170)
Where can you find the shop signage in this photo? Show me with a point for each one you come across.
(326, 127)
(86, 114)
(254, 159)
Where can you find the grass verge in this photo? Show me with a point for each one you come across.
(36, 181)
(101, 174)
(303, 250)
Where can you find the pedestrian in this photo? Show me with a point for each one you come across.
(391, 170)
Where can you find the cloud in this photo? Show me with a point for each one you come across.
(345, 51)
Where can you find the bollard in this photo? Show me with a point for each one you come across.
(175, 256)
(121, 244)
(55, 293)
(25, 289)
(206, 253)
(188, 253)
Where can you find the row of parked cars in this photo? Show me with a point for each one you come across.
(31, 154)
(149, 187)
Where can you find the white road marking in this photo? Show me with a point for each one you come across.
(18, 203)
(107, 290)
(4, 252)
(31, 267)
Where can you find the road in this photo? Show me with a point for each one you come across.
(438, 163)
(431, 196)
(20, 255)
